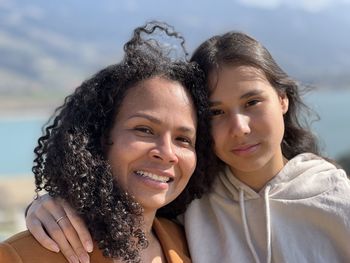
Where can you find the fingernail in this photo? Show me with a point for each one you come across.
(73, 259)
(55, 248)
(89, 246)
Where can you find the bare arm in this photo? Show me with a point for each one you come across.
(57, 227)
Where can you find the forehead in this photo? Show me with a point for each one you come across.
(230, 74)
(156, 87)
(160, 95)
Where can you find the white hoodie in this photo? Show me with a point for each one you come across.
(301, 215)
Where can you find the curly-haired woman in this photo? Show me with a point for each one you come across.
(121, 150)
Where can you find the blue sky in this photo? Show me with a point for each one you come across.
(312, 6)
(57, 44)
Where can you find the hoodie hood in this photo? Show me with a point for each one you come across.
(304, 176)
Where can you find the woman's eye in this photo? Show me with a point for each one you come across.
(252, 102)
(216, 112)
(144, 130)
(184, 140)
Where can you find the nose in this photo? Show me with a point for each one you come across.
(164, 150)
(239, 125)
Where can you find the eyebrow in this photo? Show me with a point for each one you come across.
(214, 103)
(244, 96)
(159, 122)
(145, 116)
(252, 93)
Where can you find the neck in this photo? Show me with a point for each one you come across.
(153, 253)
(257, 179)
(148, 218)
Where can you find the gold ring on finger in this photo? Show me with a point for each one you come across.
(60, 218)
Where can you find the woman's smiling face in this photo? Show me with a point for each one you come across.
(154, 133)
(247, 121)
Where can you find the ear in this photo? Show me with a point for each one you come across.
(284, 102)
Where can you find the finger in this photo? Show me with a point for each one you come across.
(32, 208)
(58, 235)
(52, 215)
(45, 204)
(73, 239)
(51, 206)
(35, 227)
(80, 227)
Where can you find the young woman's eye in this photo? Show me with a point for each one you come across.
(252, 102)
(216, 112)
(145, 130)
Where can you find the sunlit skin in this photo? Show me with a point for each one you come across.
(248, 125)
(154, 133)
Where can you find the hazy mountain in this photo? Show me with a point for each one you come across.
(56, 44)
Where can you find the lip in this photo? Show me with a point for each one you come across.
(154, 184)
(245, 149)
(159, 173)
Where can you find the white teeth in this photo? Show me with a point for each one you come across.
(154, 177)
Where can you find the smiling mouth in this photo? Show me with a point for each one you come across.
(154, 177)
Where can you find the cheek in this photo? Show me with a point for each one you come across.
(281, 128)
(114, 162)
(119, 156)
(193, 164)
(273, 127)
(113, 153)
(188, 161)
(218, 135)
(218, 131)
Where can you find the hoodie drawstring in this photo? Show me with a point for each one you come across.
(245, 226)
(268, 223)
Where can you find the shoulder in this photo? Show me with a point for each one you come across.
(166, 227)
(172, 239)
(169, 224)
(311, 166)
(23, 247)
(8, 254)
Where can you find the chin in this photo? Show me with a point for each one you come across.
(154, 203)
(247, 166)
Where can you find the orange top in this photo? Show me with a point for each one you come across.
(23, 248)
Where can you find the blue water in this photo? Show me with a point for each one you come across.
(333, 128)
(18, 136)
(17, 141)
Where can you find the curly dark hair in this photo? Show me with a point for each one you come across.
(71, 159)
(237, 48)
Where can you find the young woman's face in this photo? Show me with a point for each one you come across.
(247, 121)
(154, 133)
